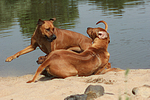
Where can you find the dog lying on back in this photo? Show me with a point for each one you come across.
(92, 61)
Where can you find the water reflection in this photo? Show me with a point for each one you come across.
(66, 11)
(29, 11)
(113, 7)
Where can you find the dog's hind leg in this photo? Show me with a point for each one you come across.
(111, 69)
(103, 69)
(39, 70)
(108, 70)
(99, 71)
(62, 70)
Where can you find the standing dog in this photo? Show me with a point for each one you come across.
(64, 63)
(44, 35)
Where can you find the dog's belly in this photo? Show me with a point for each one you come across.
(85, 71)
(86, 68)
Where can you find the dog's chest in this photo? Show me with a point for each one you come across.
(44, 45)
(104, 58)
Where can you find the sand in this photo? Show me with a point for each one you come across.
(115, 85)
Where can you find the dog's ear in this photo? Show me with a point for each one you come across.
(91, 33)
(40, 22)
(102, 34)
(52, 19)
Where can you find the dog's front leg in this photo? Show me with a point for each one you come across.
(24, 51)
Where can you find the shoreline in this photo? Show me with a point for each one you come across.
(114, 83)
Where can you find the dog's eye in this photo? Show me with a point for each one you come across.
(48, 29)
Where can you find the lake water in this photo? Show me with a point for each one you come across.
(128, 25)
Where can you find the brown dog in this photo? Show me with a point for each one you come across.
(44, 35)
(64, 63)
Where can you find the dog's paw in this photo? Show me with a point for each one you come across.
(9, 59)
(30, 81)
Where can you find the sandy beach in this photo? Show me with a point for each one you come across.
(115, 85)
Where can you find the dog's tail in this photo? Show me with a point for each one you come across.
(111, 69)
(106, 26)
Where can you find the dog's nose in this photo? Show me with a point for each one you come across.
(53, 37)
(37, 62)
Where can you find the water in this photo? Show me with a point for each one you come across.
(128, 25)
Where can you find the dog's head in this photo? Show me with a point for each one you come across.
(47, 29)
(98, 32)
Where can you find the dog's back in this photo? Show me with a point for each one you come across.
(67, 39)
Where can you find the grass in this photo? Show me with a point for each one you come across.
(126, 80)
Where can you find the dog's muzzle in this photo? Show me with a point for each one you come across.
(51, 38)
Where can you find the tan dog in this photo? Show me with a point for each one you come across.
(44, 35)
(64, 63)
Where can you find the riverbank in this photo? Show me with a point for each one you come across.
(115, 85)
